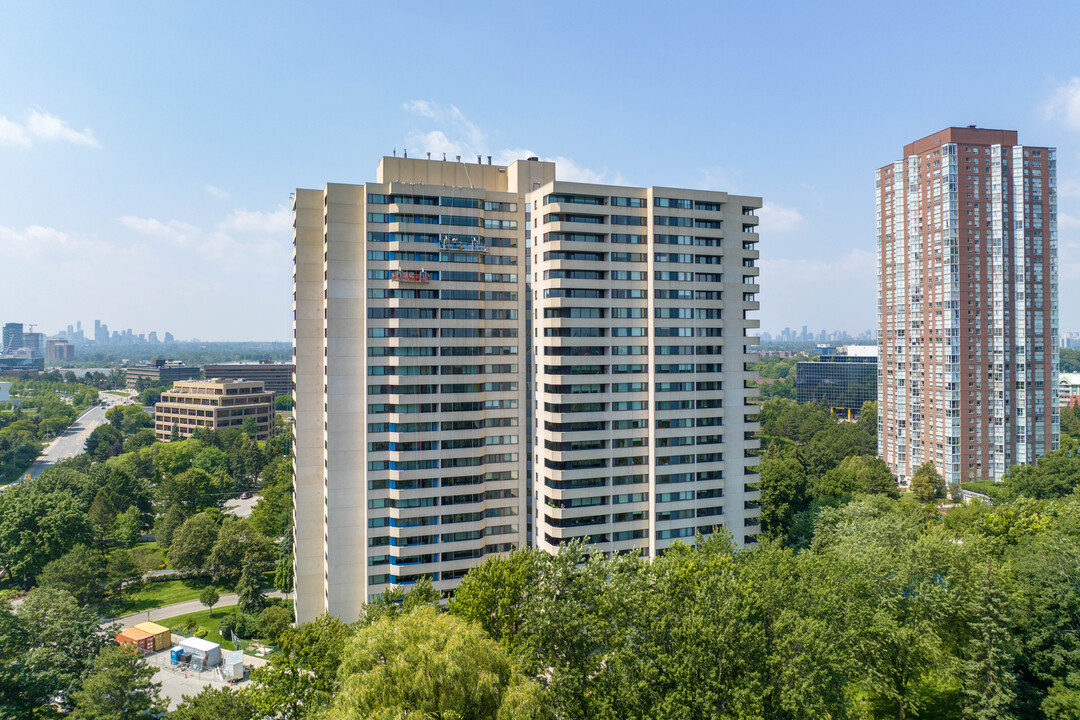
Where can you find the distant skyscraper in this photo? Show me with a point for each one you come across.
(968, 304)
(152, 337)
(168, 337)
(13, 337)
(35, 343)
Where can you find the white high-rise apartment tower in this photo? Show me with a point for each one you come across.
(487, 357)
(967, 305)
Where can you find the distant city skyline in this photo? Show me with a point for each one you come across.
(151, 186)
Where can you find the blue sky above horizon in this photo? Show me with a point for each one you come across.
(147, 150)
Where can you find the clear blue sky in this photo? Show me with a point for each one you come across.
(147, 150)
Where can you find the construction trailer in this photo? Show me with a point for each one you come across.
(204, 654)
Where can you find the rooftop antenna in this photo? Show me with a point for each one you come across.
(478, 160)
(489, 159)
(444, 157)
(406, 152)
(428, 154)
(395, 152)
(459, 158)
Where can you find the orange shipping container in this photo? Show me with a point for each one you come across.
(162, 635)
(141, 638)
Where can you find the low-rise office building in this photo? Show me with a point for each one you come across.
(843, 382)
(277, 377)
(162, 372)
(213, 404)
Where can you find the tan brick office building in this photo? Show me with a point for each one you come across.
(213, 404)
(967, 304)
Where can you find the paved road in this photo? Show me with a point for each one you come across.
(73, 440)
(180, 608)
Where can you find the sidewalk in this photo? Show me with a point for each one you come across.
(180, 608)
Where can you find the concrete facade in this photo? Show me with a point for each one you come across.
(214, 405)
(967, 305)
(420, 318)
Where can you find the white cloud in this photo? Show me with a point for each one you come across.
(420, 107)
(457, 135)
(217, 192)
(1067, 221)
(565, 168)
(43, 126)
(795, 292)
(1064, 104)
(472, 138)
(778, 218)
(12, 133)
(720, 179)
(277, 222)
(50, 127)
(175, 231)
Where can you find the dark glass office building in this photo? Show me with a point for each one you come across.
(844, 382)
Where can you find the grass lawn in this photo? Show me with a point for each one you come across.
(153, 552)
(203, 619)
(980, 486)
(116, 392)
(156, 594)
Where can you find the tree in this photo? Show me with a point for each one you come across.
(20, 693)
(1054, 475)
(115, 415)
(193, 542)
(236, 545)
(211, 704)
(80, 571)
(124, 574)
(283, 574)
(119, 687)
(38, 527)
(272, 622)
(101, 442)
(142, 438)
(249, 598)
(213, 460)
(927, 483)
(856, 474)
(988, 683)
(250, 427)
(64, 640)
(302, 676)
(209, 597)
(166, 525)
(174, 434)
(497, 595)
(192, 490)
(127, 527)
(783, 493)
(430, 664)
